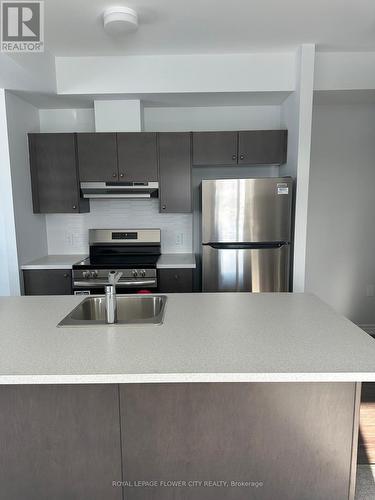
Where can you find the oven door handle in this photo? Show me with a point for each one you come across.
(99, 283)
(136, 283)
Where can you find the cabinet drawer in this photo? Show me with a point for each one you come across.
(175, 280)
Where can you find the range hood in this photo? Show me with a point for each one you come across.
(119, 189)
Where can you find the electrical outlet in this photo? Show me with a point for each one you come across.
(179, 239)
(69, 238)
(370, 290)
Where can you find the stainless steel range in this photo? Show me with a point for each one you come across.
(134, 252)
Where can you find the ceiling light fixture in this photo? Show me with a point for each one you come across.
(120, 20)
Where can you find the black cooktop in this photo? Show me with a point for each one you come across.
(131, 262)
(121, 256)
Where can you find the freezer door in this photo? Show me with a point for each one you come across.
(226, 269)
(246, 210)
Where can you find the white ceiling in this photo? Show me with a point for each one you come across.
(74, 27)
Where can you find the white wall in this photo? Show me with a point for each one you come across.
(28, 71)
(176, 119)
(341, 231)
(9, 276)
(118, 115)
(4, 274)
(252, 72)
(211, 118)
(31, 235)
(67, 120)
(69, 233)
(296, 117)
(344, 70)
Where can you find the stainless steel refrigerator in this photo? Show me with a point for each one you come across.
(246, 234)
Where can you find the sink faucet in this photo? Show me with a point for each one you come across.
(110, 297)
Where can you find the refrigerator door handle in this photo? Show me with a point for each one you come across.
(246, 246)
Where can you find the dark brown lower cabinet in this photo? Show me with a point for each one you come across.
(185, 441)
(47, 281)
(175, 280)
(293, 441)
(59, 442)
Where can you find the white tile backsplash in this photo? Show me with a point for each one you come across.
(68, 234)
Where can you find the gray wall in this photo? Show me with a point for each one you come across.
(166, 119)
(341, 229)
(31, 234)
(9, 276)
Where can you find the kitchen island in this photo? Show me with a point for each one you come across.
(234, 396)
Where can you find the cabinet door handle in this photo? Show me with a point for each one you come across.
(163, 207)
(122, 174)
(114, 174)
(66, 275)
(234, 157)
(242, 157)
(176, 276)
(74, 207)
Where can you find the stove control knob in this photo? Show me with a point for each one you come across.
(135, 273)
(94, 274)
(86, 275)
(143, 273)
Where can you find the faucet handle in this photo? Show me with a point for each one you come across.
(111, 277)
(114, 277)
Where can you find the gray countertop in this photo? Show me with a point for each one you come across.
(226, 337)
(166, 261)
(54, 262)
(176, 261)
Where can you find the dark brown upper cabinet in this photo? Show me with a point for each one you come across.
(214, 148)
(250, 147)
(97, 157)
(175, 172)
(54, 174)
(262, 147)
(137, 156)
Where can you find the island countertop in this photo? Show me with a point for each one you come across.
(224, 337)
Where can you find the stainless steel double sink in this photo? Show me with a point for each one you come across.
(131, 310)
